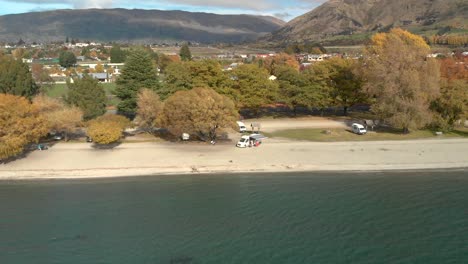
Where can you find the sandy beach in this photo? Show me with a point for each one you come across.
(80, 160)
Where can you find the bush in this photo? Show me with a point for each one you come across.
(107, 129)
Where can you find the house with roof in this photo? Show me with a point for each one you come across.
(102, 77)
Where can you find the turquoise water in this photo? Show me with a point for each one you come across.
(397, 217)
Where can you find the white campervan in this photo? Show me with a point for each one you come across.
(242, 127)
(358, 129)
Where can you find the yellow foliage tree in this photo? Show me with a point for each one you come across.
(200, 112)
(99, 68)
(401, 78)
(149, 107)
(107, 129)
(59, 117)
(20, 124)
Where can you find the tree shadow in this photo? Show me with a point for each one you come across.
(106, 146)
(460, 133)
(28, 150)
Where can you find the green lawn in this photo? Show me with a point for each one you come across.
(60, 90)
(345, 135)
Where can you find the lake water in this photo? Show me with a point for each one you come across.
(391, 217)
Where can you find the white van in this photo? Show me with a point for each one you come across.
(358, 129)
(243, 142)
(253, 140)
(242, 127)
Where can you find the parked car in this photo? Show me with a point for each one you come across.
(58, 136)
(358, 129)
(185, 136)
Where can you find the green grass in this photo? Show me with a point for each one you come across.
(346, 135)
(60, 90)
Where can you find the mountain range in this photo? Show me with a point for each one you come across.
(350, 21)
(334, 22)
(123, 25)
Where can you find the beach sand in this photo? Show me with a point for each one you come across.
(81, 160)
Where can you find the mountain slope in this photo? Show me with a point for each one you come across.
(337, 18)
(134, 26)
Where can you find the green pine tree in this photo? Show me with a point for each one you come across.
(184, 53)
(117, 54)
(87, 94)
(15, 78)
(139, 72)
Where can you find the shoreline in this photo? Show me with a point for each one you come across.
(81, 161)
(104, 176)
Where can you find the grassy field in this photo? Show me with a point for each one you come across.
(60, 90)
(346, 135)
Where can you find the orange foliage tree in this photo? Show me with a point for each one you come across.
(20, 124)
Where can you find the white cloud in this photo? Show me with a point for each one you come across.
(238, 4)
(92, 4)
(80, 4)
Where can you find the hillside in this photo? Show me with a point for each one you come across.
(338, 21)
(134, 26)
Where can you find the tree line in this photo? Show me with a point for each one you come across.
(402, 86)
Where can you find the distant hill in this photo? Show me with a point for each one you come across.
(134, 26)
(348, 21)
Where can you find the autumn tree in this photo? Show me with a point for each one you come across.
(401, 78)
(59, 117)
(107, 129)
(252, 88)
(20, 124)
(201, 112)
(184, 53)
(40, 74)
(454, 68)
(163, 61)
(139, 72)
(15, 78)
(67, 59)
(149, 109)
(87, 94)
(99, 68)
(281, 59)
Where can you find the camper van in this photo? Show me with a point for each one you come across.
(358, 129)
(253, 140)
(242, 127)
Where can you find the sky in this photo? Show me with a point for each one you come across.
(283, 9)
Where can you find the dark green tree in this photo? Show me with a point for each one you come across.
(452, 104)
(184, 53)
(139, 72)
(15, 78)
(67, 59)
(295, 89)
(87, 94)
(117, 54)
(346, 84)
